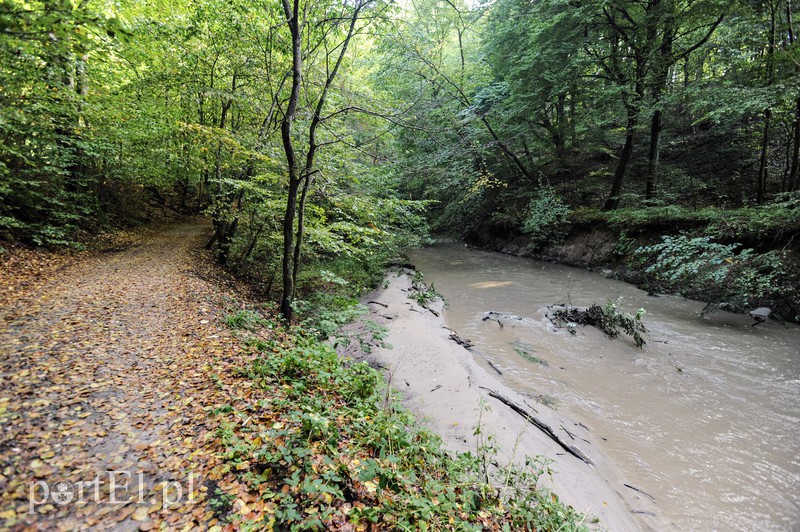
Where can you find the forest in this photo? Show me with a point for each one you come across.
(319, 141)
(327, 137)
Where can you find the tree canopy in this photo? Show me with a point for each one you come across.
(321, 132)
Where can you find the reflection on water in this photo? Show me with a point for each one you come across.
(706, 418)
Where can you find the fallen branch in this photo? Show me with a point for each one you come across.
(495, 367)
(460, 341)
(634, 488)
(384, 305)
(544, 427)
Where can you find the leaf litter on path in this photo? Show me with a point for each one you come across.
(110, 364)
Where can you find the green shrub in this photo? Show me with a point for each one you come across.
(721, 275)
(546, 221)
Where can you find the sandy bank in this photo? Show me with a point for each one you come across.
(445, 387)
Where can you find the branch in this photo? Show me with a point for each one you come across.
(571, 449)
(702, 41)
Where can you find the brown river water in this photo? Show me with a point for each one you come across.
(705, 418)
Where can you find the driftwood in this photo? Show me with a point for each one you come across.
(500, 323)
(544, 427)
(460, 341)
(634, 488)
(494, 367)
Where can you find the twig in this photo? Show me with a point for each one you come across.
(384, 305)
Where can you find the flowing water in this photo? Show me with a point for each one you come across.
(705, 418)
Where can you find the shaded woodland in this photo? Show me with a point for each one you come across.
(324, 138)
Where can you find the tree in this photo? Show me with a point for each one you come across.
(328, 29)
(47, 150)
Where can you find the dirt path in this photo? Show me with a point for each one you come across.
(112, 366)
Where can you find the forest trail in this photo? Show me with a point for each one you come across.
(112, 365)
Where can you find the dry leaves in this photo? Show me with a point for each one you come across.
(111, 362)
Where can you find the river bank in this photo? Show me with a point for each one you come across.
(443, 385)
(699, 418)
(736, 261)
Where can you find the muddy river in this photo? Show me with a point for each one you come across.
(705, 418)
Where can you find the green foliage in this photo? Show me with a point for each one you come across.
(612, 320)
(221, 503)
(720, 274)
(771, 223)
(681, 261)
(50, 181)
(422, 293)
(244, 319)
(546, 221)
(325, 313)
(323, 436)
(608, 318)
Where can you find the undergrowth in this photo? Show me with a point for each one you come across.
(323, 450)
(421, 292)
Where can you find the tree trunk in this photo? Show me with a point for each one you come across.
(763, 165)
(656, 127)
(622, 165)
(305, 176)
(763, 170)
(561, 127)
(300, 233)
(794, 177)
(292, 20)
(287, 266)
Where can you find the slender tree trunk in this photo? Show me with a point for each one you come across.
(292, 20)
(300, 233)
(561, 127)
(763, 170)
(505, 149)
(622, 165)
(573, 132)
(794, 173)
(656, 127)
(307, 173)
(794, 177)
(763, 164)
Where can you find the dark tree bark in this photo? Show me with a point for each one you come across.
(763, 169)
(622, 164)
(656, 127)
(763, 163)
(794, 173)
(292, 12)
(293, 237)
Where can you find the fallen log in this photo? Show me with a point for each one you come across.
(544, 427)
